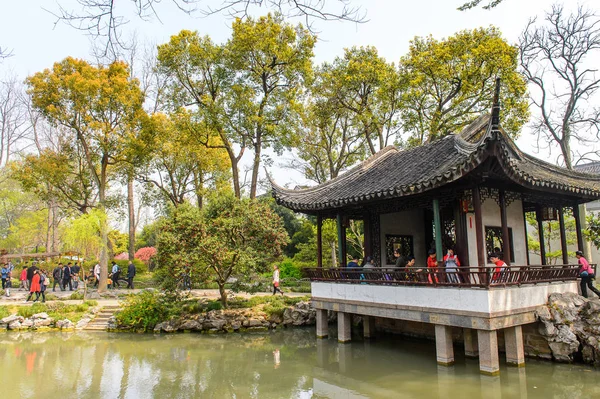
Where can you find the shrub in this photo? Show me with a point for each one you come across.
(76, 295)
(122, 256)
(145, 254)
(289, 269)
(214, 305)
(144, 310)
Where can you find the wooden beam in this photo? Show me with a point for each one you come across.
(538, 216)
(341, 237)
(563, 236)
(368, 241)
(319, 240)
(479, 228)
(438, 230)
(504, 223)
(526, 237)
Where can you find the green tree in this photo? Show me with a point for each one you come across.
(592, 232)
(451, 82)
(552, 244)
(247, 91)
(227, 238)
(83, 234)
(99, 106)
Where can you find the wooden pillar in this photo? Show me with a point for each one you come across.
(577, 216)
(438, 230)
(538, 216)
(526, 237)
(319, 240)
(563, 236)
(504, 223)
(479, 229)
(341, 241)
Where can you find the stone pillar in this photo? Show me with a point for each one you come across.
(513, 341)
(443, 345)
(322, 323)
(322, 353)
(368, 326)
(488, 352)
(470, 339)
(344, 327)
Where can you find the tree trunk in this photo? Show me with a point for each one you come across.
(333, 254)
(223, 294)
(131, 212)
(199, 188)
(255, 169)
(49, 241)
(235, 174)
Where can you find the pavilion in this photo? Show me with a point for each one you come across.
(469, 191)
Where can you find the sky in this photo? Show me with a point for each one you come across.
(29, 30)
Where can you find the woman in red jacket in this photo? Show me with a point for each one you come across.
(35, 287)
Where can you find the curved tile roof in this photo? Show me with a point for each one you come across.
(393, 173)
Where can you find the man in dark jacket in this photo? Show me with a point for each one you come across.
(67, 277)
(57, 277)
(30, 272)
(130, 274)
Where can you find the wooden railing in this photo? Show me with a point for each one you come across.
(460, 277)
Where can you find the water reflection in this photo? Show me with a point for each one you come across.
(283, 364)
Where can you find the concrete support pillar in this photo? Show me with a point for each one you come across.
(344, 327)
(322, 353)
(513, 341)
(443, 345)
(368, 326)
(488, 352)
(470, 339)
(322, 323)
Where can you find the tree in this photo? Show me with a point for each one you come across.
(475, 3)
(227, 238)
(557, 58)
(99, 106)
(247, 91)
(592, 232)
(551, 236)
(103, 20)
(451, 82)
(83, 234)
(14, 126)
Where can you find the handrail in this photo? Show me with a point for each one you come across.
(484, 277)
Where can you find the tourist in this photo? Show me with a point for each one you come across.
(115, 272)
(4, 275)
(353, 262)
(44, 282)
(66, 277)
(400, 260)
(276, 280)
(432, 266)
(57, 276)
(451, 264)
(23, 279)
(130, 274)
(587, 275)
(500, 268)
(34, 286)
(75, 275)
(97, 274)
(30, 272)
(369, 263)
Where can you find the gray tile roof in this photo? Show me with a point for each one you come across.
(393, 173)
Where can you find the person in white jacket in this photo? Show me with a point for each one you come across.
(276, 281)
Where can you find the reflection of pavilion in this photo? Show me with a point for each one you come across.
(469, 191)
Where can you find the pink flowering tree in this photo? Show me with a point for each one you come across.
(145, 254)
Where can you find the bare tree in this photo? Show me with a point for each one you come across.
(489, 4)
(104, 19)
(14, 122)
(556, 60)
(4, 53)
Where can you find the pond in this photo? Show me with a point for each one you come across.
(280, 364)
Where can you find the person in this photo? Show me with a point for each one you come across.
(23, 279)
(276, 280)
(9, 279)
(57, 276)
(75, 275)
(44, 282)
(97, 274)
(66, 277)
(115, 271)
(432, 266)
(369, 263)
(451, 263)
(34, 287)
(400, 260)
(30, 272)
(4, 275)
(130, 274)
(501, 266)
(587, 275)
(353, 262)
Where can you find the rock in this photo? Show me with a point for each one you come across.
(42, 315)
(82, 323)
(47, 322)
(14, 325)
(112, 323)
(236, 325)
(190, 325)
(65, 324)
(27, 323)
(213, 324)
(547, 328)
(93, 295)
(11, 318)
(159, 327)
(254, 323)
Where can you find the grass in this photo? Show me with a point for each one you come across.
(56, 310)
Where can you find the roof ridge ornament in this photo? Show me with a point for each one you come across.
(496, 106)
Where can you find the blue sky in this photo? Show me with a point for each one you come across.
(36, 41)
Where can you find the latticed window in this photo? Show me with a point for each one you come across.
(404, 245)
(494, 243)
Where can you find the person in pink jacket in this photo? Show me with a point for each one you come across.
(587, 275)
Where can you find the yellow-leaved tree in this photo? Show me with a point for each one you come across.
(100, 107)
